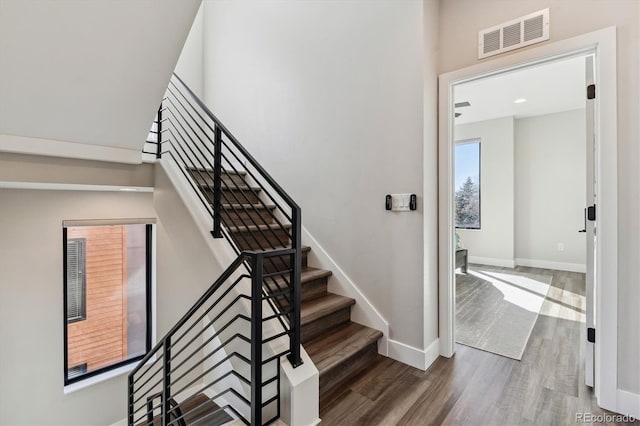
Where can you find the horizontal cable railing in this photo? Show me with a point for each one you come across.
(216, 349)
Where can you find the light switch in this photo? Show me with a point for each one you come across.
(400, 202)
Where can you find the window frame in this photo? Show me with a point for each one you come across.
(469, 142)
(149, 258)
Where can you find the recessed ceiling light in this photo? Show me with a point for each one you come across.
(520, 101)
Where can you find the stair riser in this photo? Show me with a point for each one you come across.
(233, 196)
(349, 368)
(249, 217)
(256, 240)
(282, 263)
(310, 290)
(325, 324)
(207, 179)
(314, 289)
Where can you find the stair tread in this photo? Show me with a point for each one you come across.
(242, 228)
(310, 273)
(248, 206)
(307, 274)
(312, 310)
(329, 350)
(232, 187)
(207, 170)
(198, 409)
(304, 249)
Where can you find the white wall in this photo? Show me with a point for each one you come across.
(460, 21)
(550, 189)
(493, 243)
(190, 63)
(532, 191)
(36, 168)
(186, 267)
(31, 312)
(328, 96)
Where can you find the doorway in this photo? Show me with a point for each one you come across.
(520, 173)
(600, 44)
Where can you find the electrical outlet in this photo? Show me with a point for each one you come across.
(560, 246)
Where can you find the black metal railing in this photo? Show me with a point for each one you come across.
(246, 204)
(216, 350)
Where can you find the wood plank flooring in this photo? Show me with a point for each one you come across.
(480, 388)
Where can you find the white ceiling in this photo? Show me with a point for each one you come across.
(84, 78)
(548, 88)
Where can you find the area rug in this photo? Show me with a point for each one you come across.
(496, 308)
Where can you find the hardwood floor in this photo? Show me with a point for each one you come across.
(480, 388)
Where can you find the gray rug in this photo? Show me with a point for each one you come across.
(496, 308)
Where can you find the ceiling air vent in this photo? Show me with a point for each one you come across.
(517, 33)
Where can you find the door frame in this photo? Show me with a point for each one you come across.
(602, 43)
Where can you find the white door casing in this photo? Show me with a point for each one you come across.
(590, 226)
(602, 45)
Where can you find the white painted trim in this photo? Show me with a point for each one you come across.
(629, 403)
(504, 263)
(432, 353)
(603, 44)
(300, 392)
(73, 187)
(55, 148)
(549, 264)
(418, 358)
(363, 312)
(107, 375)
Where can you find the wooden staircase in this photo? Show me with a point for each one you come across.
(198, 410)
(340, 348)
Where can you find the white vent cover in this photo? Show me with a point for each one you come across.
(517, 33)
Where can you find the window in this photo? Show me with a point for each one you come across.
(78, 370)
(467, 184)
(76, 284)
(107, 303)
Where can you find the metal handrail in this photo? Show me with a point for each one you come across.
(190, 133)
(168, 408)
(272, 182)
(255, 220)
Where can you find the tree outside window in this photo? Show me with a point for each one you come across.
(467, 184)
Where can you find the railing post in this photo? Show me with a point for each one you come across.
(159, 135)
(217, 182)
(256, 338)
(130, 407)
(166, 381)
(295, 289)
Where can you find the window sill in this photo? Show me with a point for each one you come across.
(90, 381)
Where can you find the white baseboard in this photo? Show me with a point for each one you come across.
(628, 404)
(548, 264)
(418, 358)
(363, 312)
(491, 261)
